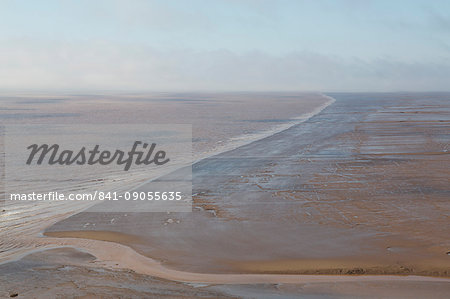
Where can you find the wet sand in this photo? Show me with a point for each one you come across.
(220, 121)
(361, 188)
(70, 273)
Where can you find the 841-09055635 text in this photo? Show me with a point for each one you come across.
(99, 195)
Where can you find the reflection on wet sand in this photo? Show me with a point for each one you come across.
(220, 121)
(361, 188)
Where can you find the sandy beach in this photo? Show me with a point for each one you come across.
(355, 195)
(346, 192)
(225, 149)
(70, 273)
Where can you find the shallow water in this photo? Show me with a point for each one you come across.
(219, 122)
(360, 188)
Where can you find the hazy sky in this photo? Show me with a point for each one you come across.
(352, 45)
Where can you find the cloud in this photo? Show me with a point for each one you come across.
(31, 64)
(439, 21)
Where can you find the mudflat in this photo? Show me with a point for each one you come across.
(360, 188)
